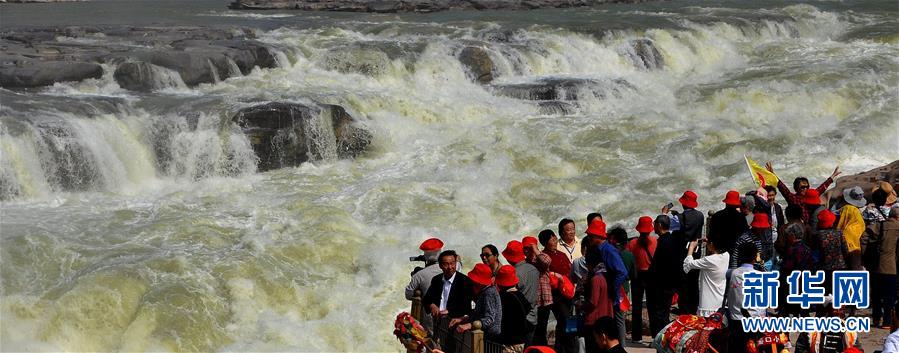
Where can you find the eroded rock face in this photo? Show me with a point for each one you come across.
(866, 180)
(478, 64)
(644, 54)
(44, 56)
(388, 6)
(564, 89)
(288, 134)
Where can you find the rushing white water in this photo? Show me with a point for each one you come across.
(138, 223)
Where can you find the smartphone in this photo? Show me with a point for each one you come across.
(669, 205)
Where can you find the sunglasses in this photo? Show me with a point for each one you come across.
(486, 255)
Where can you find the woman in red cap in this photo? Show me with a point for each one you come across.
(643, 248)
(487, 307)
(832, 246)
(515, 326)
(757, 235)
(728, 224)
(812, 204)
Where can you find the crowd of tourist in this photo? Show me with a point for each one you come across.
(674, 261)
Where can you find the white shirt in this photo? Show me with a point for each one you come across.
(447, 285)
(712, 280)
(571, 252)
(891, 344)
(735, 295)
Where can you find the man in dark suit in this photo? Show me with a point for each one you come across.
(665, 274)
(450, 293)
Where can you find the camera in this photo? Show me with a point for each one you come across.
(419, 258)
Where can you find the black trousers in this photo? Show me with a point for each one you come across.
(688, 294)
(638, 287)
(540, 329)
(659, 302)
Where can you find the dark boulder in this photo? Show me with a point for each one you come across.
(565, 89)
(145, 77)
(478, 64)
(35, 73)
(557, 108)
(287, 134)
(644, 54)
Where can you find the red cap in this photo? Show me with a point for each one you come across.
(826, 219)
(506, 276)
(514, 251)
(481, 274)
(529, 240)
(812, 197)
(431, 245)
(597, 228)
(644, 224)
(539, 349)
(689, 199)
(732, 198)
(760, 221)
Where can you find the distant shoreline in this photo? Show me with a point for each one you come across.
(394, 6)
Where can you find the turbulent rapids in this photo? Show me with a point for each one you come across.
(153, 203)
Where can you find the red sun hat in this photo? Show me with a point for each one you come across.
(431, 245)
(514, 251)
(812, 197)
(826, 219)
(644, 225)
(689, 199)
(529, 240)
(760, 221)
(732, 198)
(539, 349)
(481, 274)
(506, 276)
(597, 228)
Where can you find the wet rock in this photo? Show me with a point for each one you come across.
(145, 77)
(557, 108)
(42, 56)
(35, 73)
(564, 89)
(287, 134)
(478, 63)
(408, 5)
(866, 180)
(644, 54)
(354, 59)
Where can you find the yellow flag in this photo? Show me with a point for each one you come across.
(761, 175)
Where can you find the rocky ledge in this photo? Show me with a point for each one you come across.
(388, 6)
(146, 57)
(288, 134)
(866, 180)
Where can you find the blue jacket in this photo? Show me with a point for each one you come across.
(612, 260)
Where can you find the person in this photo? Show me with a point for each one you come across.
(812, 206)
(643, 247)
(735, 310)
(544, 298)
(515, 326)
(884, 275)
(729, 223)
(528, 279)
(852, 224)
(421, 279)
(488, 306)
(599, 301)
(604, 336)
(776, 213)
(530, 248)
(688, 225)
(712, 269)
(571, 246)
(579, 266)
(490, 257)
(796, 257)
(879, 210)
(591, 216)
(619, 236)
(832, 246)
(550, 243)
(760, 236)
(614, 267)
(664, 275)
(450, 292)
(801, 185)
(747, 205)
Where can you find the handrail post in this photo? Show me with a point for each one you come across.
(416, 305)
(475, 338)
